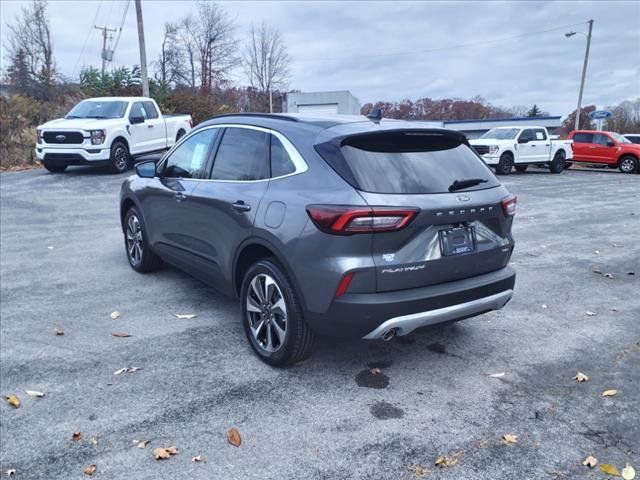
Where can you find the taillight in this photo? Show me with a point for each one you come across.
(509, 205)
(344, 220)
(190, 123)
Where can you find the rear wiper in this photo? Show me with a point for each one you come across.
(467, 182)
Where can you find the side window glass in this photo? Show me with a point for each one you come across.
(137, 110)
(540, 134)
(601, 140)
(150, 109)
(188, 160)
(243, 154)
(281, 163)
(528, 135)
(583, 138)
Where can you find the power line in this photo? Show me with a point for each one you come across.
(439, 49)
(84, 45)
(124, 17)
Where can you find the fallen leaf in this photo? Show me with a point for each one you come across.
(508, 438)
(497, 375)
(375, 371)
(94, 440)
(164, 453)
(34, 393)
(631, 273)
(446, 462)
(76, 436)
(609, 393)
(11, 471)
(596, 270)
(558, 473)
(123, 335)
(234, 437)
(616, 245)
(115, 314)
(143, 444)
(609, 469)
(581, 377)
(614, 309)
(13, 401)
(590, 313)
(628, 473)
(90, 470)
(126, 370)
(607, 275)
(120, 370)
(197, 458)
(57, 331)
(419, 471)
(483, 444)
(590, 461)
(304, 361)
(185, 316)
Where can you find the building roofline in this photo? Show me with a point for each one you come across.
(517, 119)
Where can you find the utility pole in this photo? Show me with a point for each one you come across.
(143, 52)
(584, 71)
(107, 55)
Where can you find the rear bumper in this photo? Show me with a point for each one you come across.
(370, 315)
(73, 156)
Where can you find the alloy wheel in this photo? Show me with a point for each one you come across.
(267, 313)
(121, 158)
(627, 165)
(134, 240)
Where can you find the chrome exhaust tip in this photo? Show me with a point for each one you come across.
(389, 334)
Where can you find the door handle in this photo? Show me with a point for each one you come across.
(240, 206)
(546, 144)
(533, 145)
(180, 196)
(149, 126)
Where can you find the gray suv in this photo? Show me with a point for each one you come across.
(347, 226)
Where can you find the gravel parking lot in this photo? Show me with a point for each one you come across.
(63, 266)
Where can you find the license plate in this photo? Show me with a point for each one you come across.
(456, 241)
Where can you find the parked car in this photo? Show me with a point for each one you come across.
(108, 131)
(608, 148)
(633, 137)
(519, 147)
(330, 225)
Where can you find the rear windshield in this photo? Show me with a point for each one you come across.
(407, 163)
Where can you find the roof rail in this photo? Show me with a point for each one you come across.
(275, 116)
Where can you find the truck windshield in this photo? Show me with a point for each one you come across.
(95, 109)
(619, 138)
(502, 133)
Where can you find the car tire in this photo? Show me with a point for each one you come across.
(504, 164)
(136, 243)
(119, 159)
(272, 316)
(54, 168)
(557, 165)
(521, 168)
(567, 165)
(628, 164)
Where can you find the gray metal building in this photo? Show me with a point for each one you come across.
(326, 103)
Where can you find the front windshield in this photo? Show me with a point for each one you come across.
(96, 109)
(619, 138)
(501, 133)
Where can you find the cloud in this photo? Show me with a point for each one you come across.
(380, 40)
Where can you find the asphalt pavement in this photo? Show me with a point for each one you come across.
(63, 266)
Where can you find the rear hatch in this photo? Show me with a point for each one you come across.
(460, 228)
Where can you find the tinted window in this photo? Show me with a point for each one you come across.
(527, 134)
(281, 163)
(137, 110)
(540, 134)
(406, 163)
(601, 139)
(633, 138)
(243, 154)
(150, 108)
(583, 138)
(188, 160)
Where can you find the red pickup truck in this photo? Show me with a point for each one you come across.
(610, 148)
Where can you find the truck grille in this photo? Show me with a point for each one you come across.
(63, 137)
(481, 149)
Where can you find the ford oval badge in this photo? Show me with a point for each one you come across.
(61, 138)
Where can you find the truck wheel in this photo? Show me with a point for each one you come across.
(557, 164)
(136, 243)
(567, 165)
(521, 168)
(119, 160)
(272, 317)
(55, 168)
(628, 164)
(504, 164)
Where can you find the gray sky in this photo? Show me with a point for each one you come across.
(380, 50)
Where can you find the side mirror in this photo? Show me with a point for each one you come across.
(610, 144)
(134, 120)
(146, 169)
(523, 140)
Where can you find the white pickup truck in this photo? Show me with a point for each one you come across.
(506, 147)
(108, 131)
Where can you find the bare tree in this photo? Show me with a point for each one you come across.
(170, 68)
(30, 37)
(188, 44)
(266, 60)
